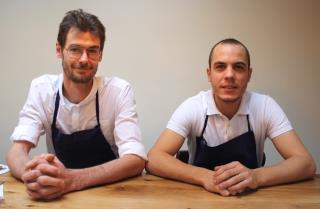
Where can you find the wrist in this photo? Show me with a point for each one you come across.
(258, 178)
(72, 180)
(207, 179)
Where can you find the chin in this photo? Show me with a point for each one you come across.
(230, 99)
(81, 79)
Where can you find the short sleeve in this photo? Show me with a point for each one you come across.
(277, 121)
(184, 119)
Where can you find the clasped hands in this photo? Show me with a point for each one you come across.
(231, 179)
(46, 177)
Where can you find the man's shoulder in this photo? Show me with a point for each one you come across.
(45, 80)
(258, 102)
(201, 96)
(257, 98)
(45, 86)
(198, 102)
(113, 82)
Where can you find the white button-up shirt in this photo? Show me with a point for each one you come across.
(267, 120)
(117, 111)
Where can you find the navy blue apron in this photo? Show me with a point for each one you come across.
(81, 149)
(241, 148)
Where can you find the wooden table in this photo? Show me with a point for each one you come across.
(150, 192)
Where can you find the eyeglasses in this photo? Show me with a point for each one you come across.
(75, 52)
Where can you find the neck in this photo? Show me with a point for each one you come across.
(227, 108)
(76, 92)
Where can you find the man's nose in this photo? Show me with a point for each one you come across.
(229, 73)
(84, 56)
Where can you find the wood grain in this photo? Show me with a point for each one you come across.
(152, 192)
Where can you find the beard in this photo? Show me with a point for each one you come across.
(79, 78)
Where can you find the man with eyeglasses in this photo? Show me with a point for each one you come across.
(90, 122)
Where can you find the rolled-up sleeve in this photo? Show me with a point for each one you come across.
(127, 133)
(30, 126)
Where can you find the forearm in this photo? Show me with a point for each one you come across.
(124, 167)
(16, 160)
(292, 169)
(165, 165)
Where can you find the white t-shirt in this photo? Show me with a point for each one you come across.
(267, 120)
(117, 111)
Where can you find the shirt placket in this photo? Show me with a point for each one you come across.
(223, 126)
(226, 128)
(76, 118)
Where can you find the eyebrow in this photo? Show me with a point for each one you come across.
(219, 63)
(240, 63)
(91, 47)
(223, 63)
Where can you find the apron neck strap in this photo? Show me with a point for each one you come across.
(56, 108)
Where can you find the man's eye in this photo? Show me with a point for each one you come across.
(219, 67)
(75, 50)
(93, 51)
(239, 67)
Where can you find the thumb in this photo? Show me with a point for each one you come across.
(57, 162)
(49, 157)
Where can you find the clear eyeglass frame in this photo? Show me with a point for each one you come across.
(75, 52)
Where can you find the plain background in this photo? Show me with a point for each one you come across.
(162, 47)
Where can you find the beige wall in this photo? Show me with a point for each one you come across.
(161, 48)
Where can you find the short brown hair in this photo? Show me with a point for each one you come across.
(230, 41)
(84, 22)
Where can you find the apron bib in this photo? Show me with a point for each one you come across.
(81, 149)
(241, 148)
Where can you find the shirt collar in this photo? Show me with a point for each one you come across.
(213, 110)
(86, 100)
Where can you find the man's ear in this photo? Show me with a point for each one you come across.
(100, 58)
(59, 50)
(250, 72)
(209, 74)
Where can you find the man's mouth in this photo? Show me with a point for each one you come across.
(229, 87)
(82, 66)
(82, 69)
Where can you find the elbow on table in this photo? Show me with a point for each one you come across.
(310, 168)
(148, 166)
(154, 163)
(139, 166)
(313, 168)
